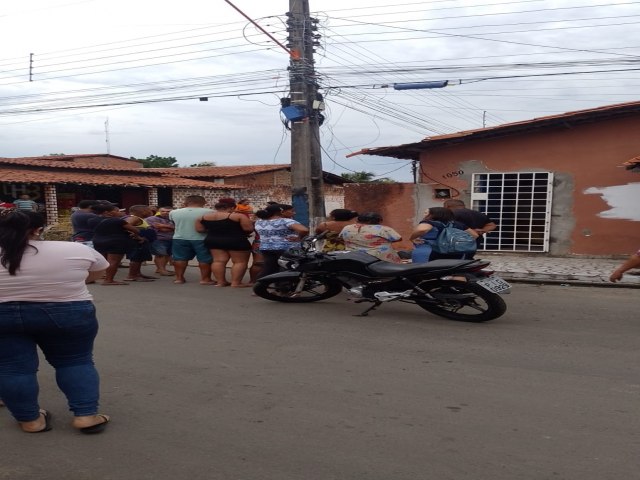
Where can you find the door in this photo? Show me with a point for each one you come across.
(520, 203)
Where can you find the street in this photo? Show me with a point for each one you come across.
(212, 383)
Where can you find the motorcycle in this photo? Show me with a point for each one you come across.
(460, 290)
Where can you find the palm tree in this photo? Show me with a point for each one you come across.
(365, 177)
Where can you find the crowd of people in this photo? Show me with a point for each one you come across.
(45, 303)
(252, 241)
(229, 232)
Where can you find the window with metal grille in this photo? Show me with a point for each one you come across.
(520, 203)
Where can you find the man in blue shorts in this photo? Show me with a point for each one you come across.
(187, 243)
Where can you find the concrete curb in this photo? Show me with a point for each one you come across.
(551, 279)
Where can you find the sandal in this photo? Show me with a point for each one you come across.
(98, 427)
(47, 422)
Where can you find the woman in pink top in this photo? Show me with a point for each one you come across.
(44, 302)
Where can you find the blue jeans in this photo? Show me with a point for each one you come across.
(64, 331)
(421, 253)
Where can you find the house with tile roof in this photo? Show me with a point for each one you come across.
(59, 182)
(555, 184)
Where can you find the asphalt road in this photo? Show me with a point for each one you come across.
(211, 383)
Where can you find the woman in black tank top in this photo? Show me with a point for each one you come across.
(227, 234)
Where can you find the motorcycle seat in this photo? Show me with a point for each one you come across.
(385, 269)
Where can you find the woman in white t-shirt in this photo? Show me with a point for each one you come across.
(44, 302)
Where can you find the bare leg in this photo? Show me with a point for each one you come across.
(114, 260)
(134, 269)
(240, 261)
(135, 273)
(219, 266)
(161, 264)
(256, 266)
(205, 273)
(181, 267)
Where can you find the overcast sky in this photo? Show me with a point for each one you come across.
(505, 60)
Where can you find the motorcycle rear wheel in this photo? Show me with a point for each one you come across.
(283, 289)
(462, 301)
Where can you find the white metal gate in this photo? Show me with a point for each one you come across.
(520, 203)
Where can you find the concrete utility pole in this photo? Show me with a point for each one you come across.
(306, 159)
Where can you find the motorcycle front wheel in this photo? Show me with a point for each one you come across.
(284, 289)
(463, 301)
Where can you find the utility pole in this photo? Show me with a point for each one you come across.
(107, 139)
(306, 159)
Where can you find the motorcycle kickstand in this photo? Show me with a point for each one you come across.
(370, 309)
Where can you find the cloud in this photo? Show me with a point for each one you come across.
(360, 44)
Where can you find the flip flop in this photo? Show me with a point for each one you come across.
(98, 427)
(139, 279)
(47, 422)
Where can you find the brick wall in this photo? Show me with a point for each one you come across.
(401, 205)
(278, 177)
(51, 203)
(259, 195)
(152, 195)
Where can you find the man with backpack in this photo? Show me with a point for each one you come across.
(473, 219)
(439, 235)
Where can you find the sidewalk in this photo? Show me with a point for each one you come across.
(563, 270)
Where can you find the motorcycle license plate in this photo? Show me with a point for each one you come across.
(494, 284)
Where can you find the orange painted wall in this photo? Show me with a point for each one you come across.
(581, 157)
(394, 201)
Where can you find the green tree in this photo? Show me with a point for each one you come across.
(154, 161)
(365, 177)
(204, 164)
(359, 177)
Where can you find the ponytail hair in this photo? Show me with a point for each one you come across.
(16, 227)
(263, 214)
